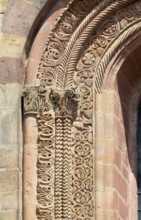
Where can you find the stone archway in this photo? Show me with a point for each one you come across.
(65, 101)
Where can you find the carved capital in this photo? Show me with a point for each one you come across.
(65, 102)
(34, 99)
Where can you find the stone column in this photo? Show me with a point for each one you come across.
(30, 167)
(30, 132)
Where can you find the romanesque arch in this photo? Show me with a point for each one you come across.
(64, 104)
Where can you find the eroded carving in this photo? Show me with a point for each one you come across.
(65, 106)
(34, 98)
(72, 149)
(82, 7)
(104, 36)
(65, 103)
(45, 163)
(59, 38)
(36, 104)
(66, 27)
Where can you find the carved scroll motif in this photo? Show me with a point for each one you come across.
(66, 129)
(59, 38)
(83, 152)
(54, 155)
(105, 36)
(45, 165)
(36, 103)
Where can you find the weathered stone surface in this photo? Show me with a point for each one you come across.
(8, 215)
(30, 176)
(8, 180)
(9, 127)
(30, 166)
(1, 20)
(30, 213)
(11, 45)
(11, 70)
(19, 17)
(8, 200)
(8, 157)
(3, 5)
(30, 131)
(10, 96)
(40, 166)
(37, 3)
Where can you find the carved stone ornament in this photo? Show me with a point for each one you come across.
(75, 56)
(34, 99)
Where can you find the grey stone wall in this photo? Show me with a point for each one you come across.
(10, 152)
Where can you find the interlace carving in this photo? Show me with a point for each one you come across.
(104, 36)
(59, 38)
(66, 127)
(82, 151)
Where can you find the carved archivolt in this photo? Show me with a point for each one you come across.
(71, 70)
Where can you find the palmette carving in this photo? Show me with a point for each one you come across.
(34, 99)
(47, 76)
(73, 150)
(61, 34)
(83, 177)
(104, 35)
(64, 102)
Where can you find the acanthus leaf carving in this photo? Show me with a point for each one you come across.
(36, 104)
(34, 99)
(65, 102)
(74, 123)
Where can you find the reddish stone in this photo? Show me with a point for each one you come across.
(12, 71)
(19, 18)
(125, 172)
(120, 185)
(123, 210)
(117, 158)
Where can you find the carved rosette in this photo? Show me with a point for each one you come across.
(66, 166)
(83, 153)
(103, 38)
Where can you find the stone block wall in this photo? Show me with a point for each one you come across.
(10, 152)
(115, 113)
(10, 129)
(16, 19)
(18, 27)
